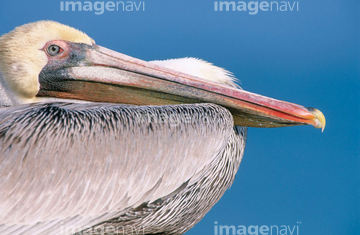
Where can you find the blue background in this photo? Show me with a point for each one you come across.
(288, 176)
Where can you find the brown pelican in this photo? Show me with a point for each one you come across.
(77, 156)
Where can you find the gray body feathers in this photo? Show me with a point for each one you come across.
(66, 168)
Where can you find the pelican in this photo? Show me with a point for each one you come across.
(93, 141)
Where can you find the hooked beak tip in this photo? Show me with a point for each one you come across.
(319, 118)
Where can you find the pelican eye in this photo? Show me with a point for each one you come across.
(54, 50)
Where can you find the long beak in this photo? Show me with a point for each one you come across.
(104, 75)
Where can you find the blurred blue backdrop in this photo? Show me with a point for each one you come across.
(288, 176)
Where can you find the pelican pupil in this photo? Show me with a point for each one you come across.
(53, 50)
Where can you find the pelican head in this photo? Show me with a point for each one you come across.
(46, 60)
(24, 52)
